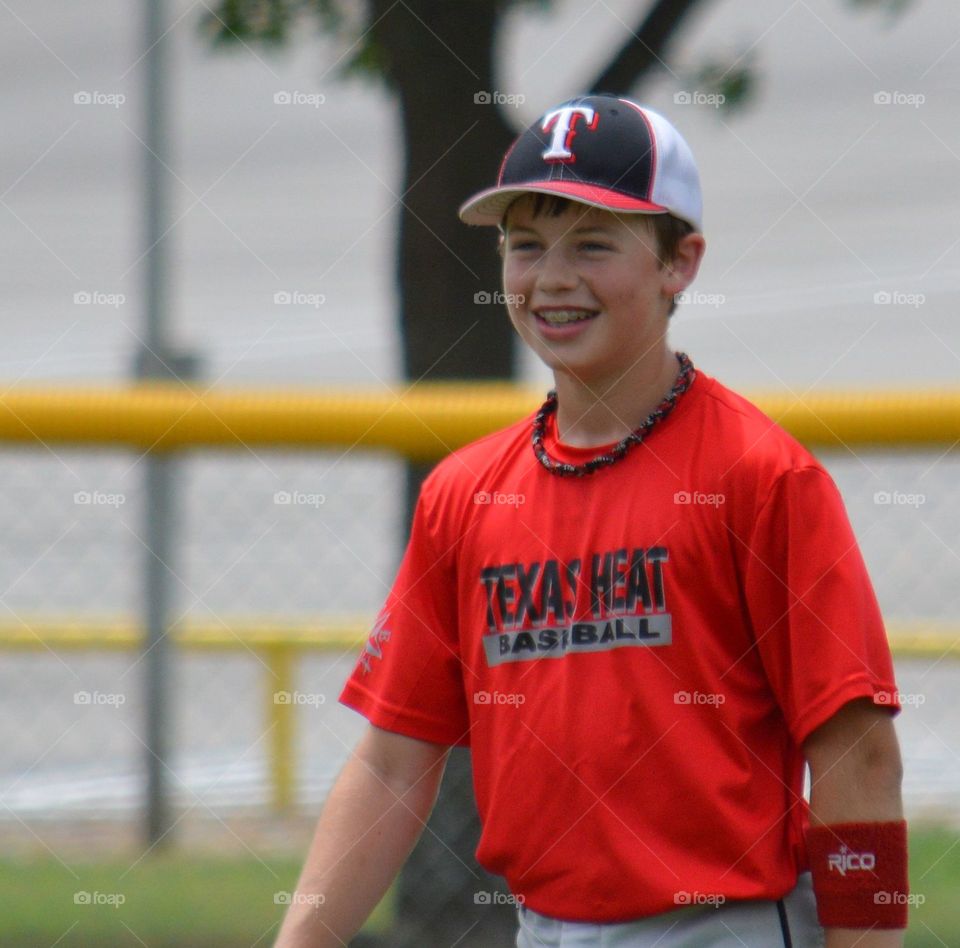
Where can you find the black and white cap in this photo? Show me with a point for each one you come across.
(599, 150)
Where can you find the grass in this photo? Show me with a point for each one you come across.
(168, 902)
(187, 902)
(934, 878)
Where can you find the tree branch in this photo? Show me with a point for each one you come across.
(646, 47)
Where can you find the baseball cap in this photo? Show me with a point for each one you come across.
(601, 150)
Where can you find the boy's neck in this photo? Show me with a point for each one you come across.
(604, 411)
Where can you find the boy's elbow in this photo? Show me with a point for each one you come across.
(855, 766)
(402, 763)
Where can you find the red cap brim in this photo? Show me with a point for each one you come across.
(488, 207)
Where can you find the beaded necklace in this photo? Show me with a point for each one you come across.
(684, 380)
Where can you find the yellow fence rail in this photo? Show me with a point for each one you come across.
(424, 422)
(421, 423)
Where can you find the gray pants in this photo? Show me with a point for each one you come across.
(789, 923)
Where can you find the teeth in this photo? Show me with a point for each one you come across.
(565, 315)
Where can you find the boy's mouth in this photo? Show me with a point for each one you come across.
(561, 317)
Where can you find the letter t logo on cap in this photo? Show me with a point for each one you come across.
(562, 122)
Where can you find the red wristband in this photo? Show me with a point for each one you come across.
(860, 874)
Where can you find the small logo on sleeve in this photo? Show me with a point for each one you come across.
(374, 647)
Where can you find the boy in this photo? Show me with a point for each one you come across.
(645, 646)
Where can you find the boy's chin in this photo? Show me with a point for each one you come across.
(580, 369)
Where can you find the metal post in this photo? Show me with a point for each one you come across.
(157, 361)
(157, 661)
(156, 196)
(282, 717)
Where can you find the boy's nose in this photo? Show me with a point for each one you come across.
(555, 273)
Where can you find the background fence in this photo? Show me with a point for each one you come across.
(297, 548)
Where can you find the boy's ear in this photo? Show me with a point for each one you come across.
(680, 272)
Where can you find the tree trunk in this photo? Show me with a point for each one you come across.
(440, 58)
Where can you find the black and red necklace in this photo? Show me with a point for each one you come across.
(684, 380)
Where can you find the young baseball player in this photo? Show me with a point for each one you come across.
(642, 608)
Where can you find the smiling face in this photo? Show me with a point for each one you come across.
(586, 290)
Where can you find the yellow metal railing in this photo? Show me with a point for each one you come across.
(421, 423)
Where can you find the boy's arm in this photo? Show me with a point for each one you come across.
(856, 773)
(369, 824)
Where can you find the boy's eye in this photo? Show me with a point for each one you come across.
(519, 244)
(592, 245)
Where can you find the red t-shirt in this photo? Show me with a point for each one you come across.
(634, 657)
